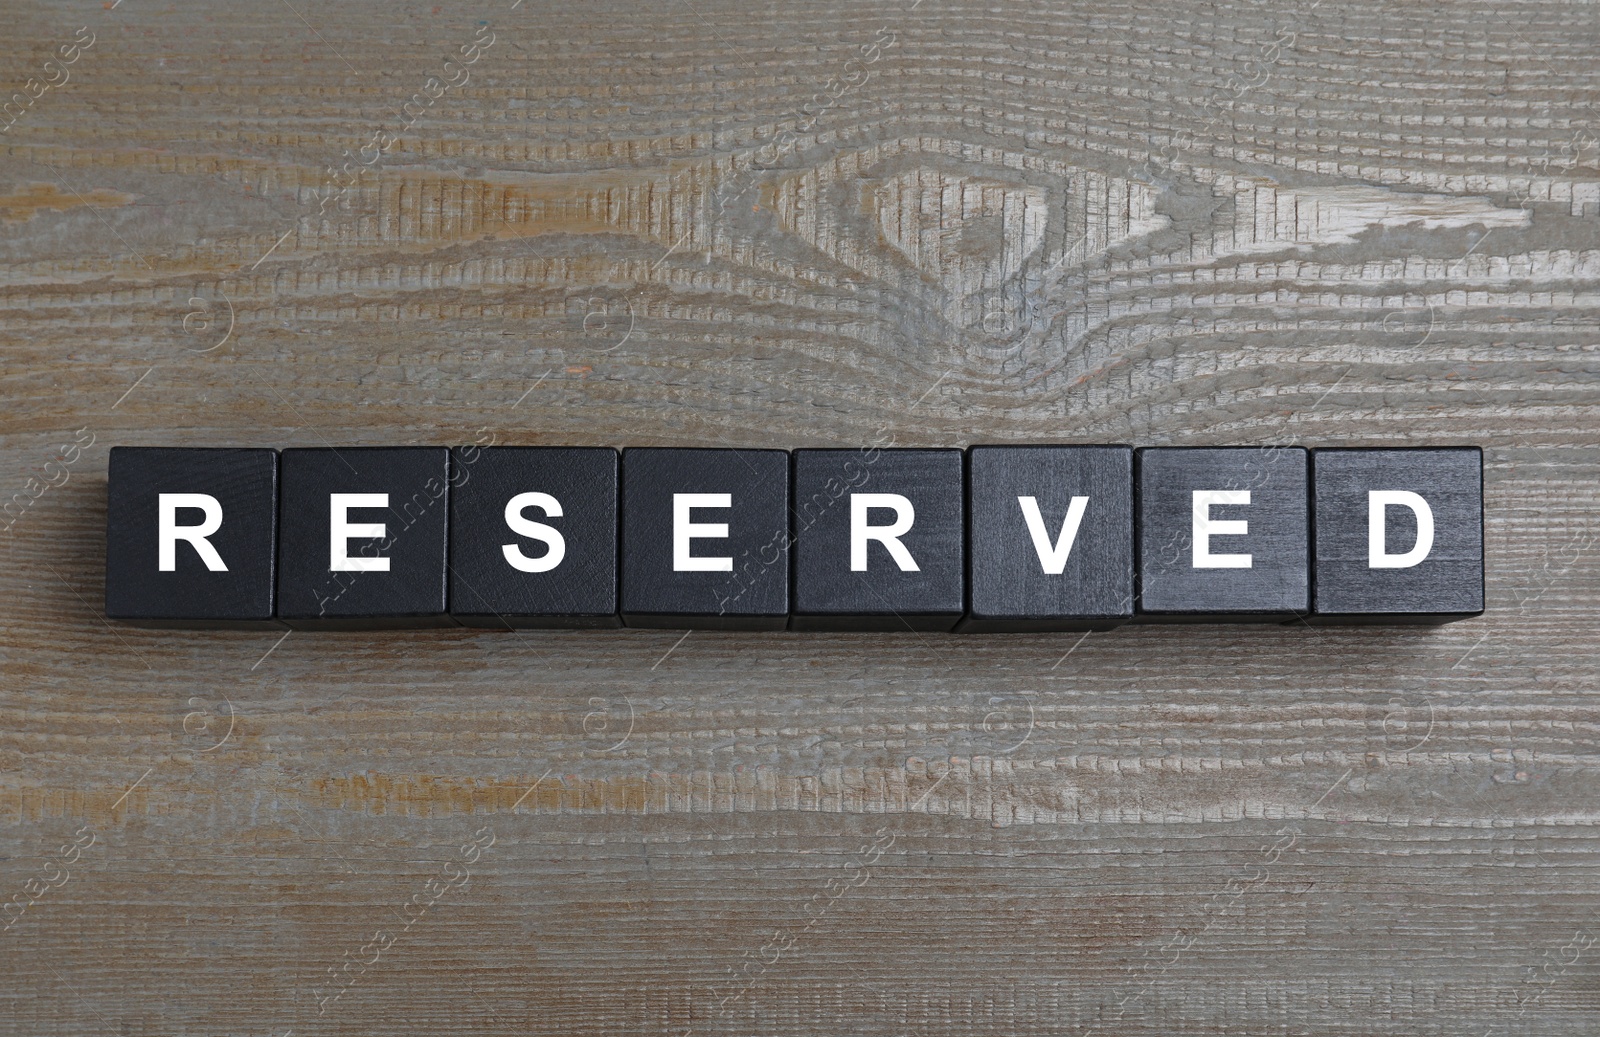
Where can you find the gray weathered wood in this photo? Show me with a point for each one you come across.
(1316, 223)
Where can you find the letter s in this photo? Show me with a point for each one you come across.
(550, 536)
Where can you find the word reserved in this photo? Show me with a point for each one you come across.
(989, 539)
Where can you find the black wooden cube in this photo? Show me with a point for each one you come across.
(705, 538)
(1223, 533)
(1397, 535)
(191, 536)
(879, 539)
(533, 537)
(362, 537)
(1049, 538)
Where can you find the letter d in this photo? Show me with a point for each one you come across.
(1377, 507)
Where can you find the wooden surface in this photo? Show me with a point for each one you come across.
(1318, 222)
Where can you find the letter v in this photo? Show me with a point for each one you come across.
(1053, 558)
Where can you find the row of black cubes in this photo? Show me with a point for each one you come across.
(451, 546)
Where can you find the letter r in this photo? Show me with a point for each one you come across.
(168, 532)
(889, 536)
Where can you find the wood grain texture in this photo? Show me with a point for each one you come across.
(699, 222)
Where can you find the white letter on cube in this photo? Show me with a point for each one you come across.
(168, 532)
(889, 536)
(535, 530)
(1053, 557)
(683, 531)
(341, 531)
(1206, 527)
(1377, 504)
